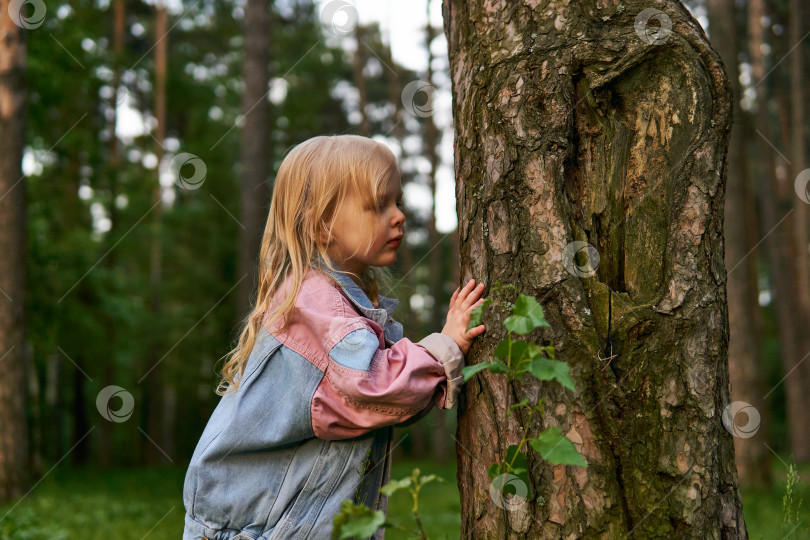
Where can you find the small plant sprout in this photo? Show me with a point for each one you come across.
(358, 520)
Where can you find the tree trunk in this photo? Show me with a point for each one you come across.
(107, 447)
(256, 152)
(777, 220)
(744, 358)
(14, 463)
(154, 390)
(437, 273)
(801, 254)
(571, 126)
(358, 64)
(405, 314)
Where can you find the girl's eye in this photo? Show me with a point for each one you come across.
(400, 204)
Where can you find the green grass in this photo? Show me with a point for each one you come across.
(127, 504)
(763, 508)
(85, 503)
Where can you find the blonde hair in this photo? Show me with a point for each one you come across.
(313, 180)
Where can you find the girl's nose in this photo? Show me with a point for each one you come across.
(399, 217)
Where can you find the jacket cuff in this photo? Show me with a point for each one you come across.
(444, 349)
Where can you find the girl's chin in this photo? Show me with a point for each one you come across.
(389, 256)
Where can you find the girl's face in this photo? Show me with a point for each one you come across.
(355, 224)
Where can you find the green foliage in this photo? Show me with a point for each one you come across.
(138, 503)
(515, 463)
(527, 315)
(557, 448)
(514, 359)
(477, 313)
(356, 520)
(790, 506)
(360, 520)
(547, 370)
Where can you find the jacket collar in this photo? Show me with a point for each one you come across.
(380, 315)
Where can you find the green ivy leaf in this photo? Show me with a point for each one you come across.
(546, 370)
(395, 485)
(498, 366)
(502, 350)
(469, 371)
(526, 316)
(430, 478)
(477, 313)
(523, 403)
(522, 354)
(356, 521)
(494, 470)
(520, 458)
(556, 448)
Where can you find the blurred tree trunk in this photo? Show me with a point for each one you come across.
(744, 357)
(256, 149)
(358, 63)
(54, 405)
(156, 389)
(437, 254)
(777, 224)
(168, 386)
(14, 462)
(570, 127)
(405, 253)
(107, 444)
(798, 84)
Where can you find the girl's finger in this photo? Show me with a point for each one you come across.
(467, 302)
(453, 298)
(467, 288)
(462, 294)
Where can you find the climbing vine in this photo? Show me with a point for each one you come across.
(513, 358)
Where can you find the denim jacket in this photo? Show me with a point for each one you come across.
(312, 421)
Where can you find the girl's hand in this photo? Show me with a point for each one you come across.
(458, 316)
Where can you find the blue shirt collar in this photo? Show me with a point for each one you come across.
(381, 315)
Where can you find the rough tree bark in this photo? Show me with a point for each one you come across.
(574, 125)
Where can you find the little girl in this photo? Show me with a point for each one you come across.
(321, 373)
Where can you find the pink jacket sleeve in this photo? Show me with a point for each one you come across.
(367, 386)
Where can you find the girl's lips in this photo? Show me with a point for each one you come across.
(394, 243)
